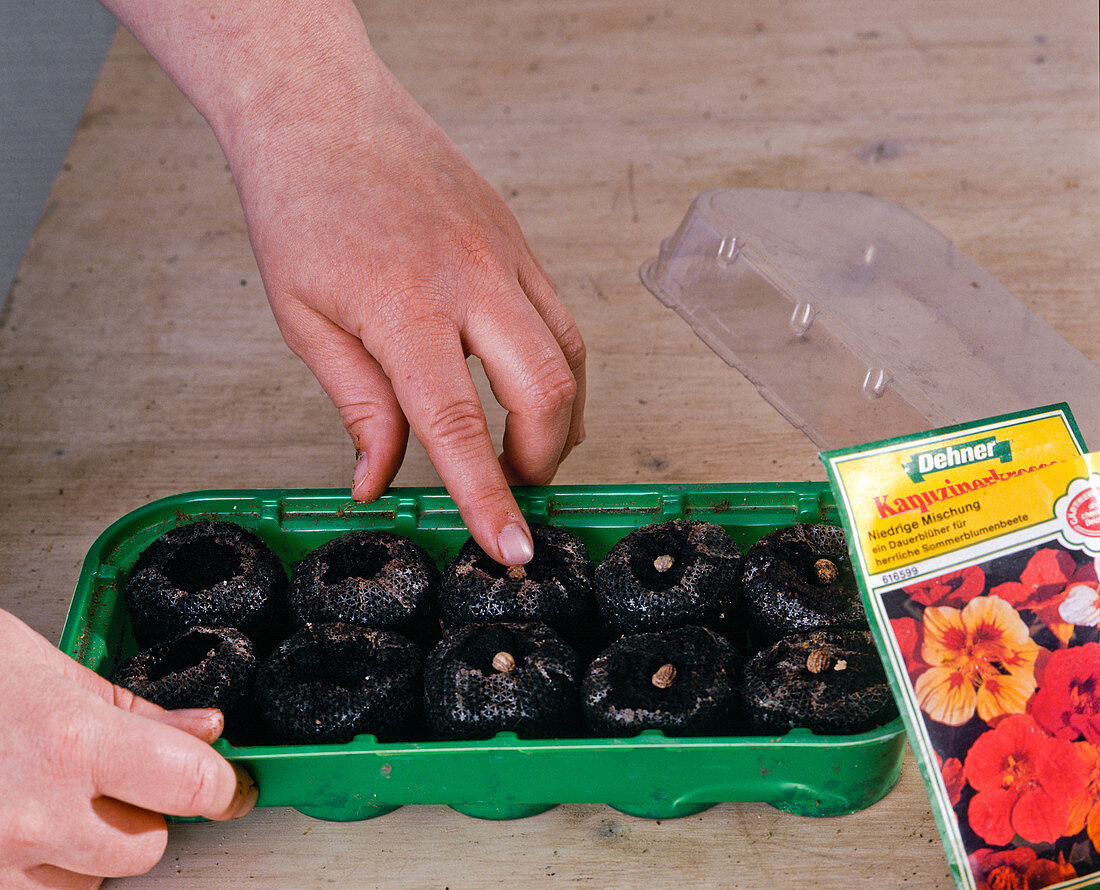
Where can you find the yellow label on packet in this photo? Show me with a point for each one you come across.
(916, 500)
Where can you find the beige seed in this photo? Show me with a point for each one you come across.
(666, 673)
(826, 571)
(840, 665)
(516, 573)
(819, 660)
(663, 563)
(503, 662)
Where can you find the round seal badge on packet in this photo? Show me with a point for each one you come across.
(1078, 514)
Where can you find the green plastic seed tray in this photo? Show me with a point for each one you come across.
(505, 777)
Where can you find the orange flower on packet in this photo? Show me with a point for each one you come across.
(982, 659)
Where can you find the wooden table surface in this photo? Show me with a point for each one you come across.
(138, 357)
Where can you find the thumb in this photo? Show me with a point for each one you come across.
(180, 775)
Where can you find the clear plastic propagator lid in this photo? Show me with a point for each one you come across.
(857, 320)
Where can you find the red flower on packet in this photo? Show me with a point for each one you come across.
(1041, 582)
(1043, 587)
(953, 779)
(950, 589)
(1017, 869)
(1067, 704)
(1026, 782)
(907, 631)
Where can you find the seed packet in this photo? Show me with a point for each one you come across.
(977, 548)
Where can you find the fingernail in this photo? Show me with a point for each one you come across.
(196, 713)
(359, 477)
(211, 716)
(247, 790)
(515, 545)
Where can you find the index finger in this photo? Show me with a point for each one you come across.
(159, 768)
(443, 409)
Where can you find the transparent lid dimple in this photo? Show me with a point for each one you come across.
(857, 320)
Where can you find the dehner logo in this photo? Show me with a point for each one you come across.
(921, 463)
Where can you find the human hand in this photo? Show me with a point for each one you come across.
(386, 257)
(387, 260)
(87, 767)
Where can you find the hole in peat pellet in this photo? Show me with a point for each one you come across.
(630, 678)
(185, 652)
(199, 565)
(659, 559)
(663, 563)
(340, 664)
(485, 644)
(541, 568)
(363, 559)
